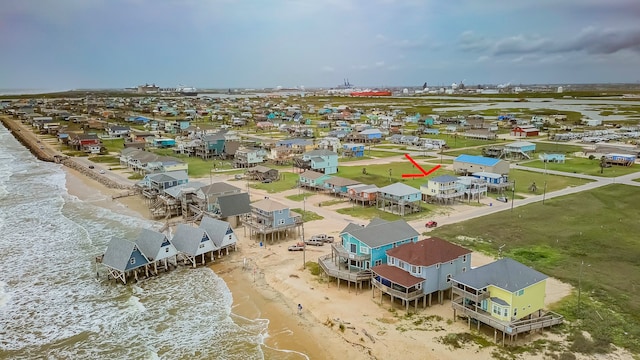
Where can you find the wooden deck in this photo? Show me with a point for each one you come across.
(512, 328)
(341, 271)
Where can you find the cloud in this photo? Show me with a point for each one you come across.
(590, 40)
(328, 68)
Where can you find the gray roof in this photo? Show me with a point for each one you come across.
(234, 204)
(216, 229)
(219, 188)
(398, 189)
(340, 181)
(505, 273)
(169, 176)
(176, 191)
(187, 239)
(268, 205)
(150, 242)
(118, 254)
(310, 174)
(350, 228)
(499, 301)
(380, 232)
(444, 179)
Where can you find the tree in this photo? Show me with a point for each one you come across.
(603, 163)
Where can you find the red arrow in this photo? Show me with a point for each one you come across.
(423, 171)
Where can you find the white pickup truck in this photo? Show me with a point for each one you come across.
(323, 237)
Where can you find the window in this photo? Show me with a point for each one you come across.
(279, 211)
(166, 249)
(354, 248)
(413, 269)
(378, 262)
(132, 261)
(520, 292)
(201, 245)
(364, 249)
(448, 277)
(438, 266)
(281, 222)
(401, 264)
(515, 312)
(392, 261)
(504, 312)
(419, 270)
(464, 258)
(464, 269)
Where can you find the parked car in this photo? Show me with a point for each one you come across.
(266, 181)
(503, 199)
(323, 237)
(297, 247)
(101, 171)
(313, 242)
(431, 224)
(91, 166)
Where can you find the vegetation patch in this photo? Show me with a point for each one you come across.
(300, 197)
(313, 267)
(308, 215)
(584, 166)
(287, 181)
(587, 240)
(460, 340)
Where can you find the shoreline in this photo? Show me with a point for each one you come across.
(290, 335)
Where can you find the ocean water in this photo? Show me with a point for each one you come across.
(52, 306)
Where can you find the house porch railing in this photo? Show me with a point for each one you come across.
(478, 297)
(396, 293)
(333, 270)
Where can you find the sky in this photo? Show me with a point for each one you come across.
(71, 44)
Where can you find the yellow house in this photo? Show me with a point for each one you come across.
(505, 295)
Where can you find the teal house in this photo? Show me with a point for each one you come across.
(366, 246)
(313, 179)
(323, 161)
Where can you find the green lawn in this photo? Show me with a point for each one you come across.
(300, 197)
(556, 148)
(370, 212)
(308, 215)
(378, 174)
(353, 158)
(598, 228)
(382, 153)
(113, 145)
(524, 179)
(466, 151)
(287, 181)
(584, 166)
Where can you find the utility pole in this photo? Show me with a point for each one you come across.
(513, 194)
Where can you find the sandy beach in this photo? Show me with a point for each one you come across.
(335, 323)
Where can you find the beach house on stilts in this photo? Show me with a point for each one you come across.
(221, 233)
(158, 249)
(122, 258)
(192, 242)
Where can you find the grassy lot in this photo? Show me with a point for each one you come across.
(300, 197)
(524, 179)
(113, 145)
(379, 174)
(353, 158)
(557, 148)
(287, 181)
(584, 166)
(105, 159)
(370, 212)
(466, 151)
(588, 239)
(308, 215)
(382, 153)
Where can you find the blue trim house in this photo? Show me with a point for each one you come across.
(273, 214)
(313, 179)
(366, 246)
(122, 257)
(353, 150)
(371, 134)
(471, 163)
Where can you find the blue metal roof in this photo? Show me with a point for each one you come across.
(479, 160)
